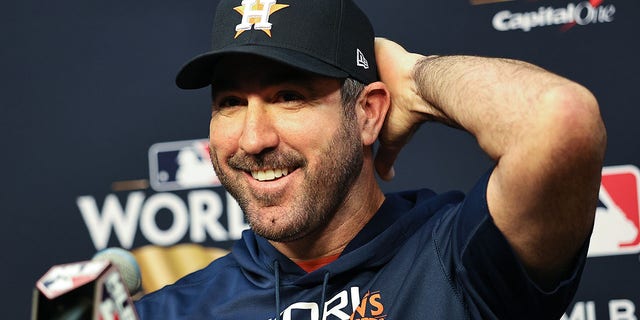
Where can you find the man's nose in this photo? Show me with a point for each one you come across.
(259, 133)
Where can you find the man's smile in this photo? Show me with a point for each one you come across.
(269, 174)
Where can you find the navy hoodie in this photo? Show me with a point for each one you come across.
(422, 256)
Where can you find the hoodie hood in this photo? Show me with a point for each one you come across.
(373, 246)
(380, 239)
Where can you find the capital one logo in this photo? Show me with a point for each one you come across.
(566, 17)
(617, 223)
(255, 13)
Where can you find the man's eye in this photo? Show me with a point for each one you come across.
(229, 102)
(288, 96)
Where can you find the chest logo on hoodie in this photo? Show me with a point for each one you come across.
(370, 308)
(348, 304)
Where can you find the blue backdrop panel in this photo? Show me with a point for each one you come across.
(101, 149)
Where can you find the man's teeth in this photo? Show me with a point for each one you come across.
(267, 175)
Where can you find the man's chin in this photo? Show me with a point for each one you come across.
(281, 236)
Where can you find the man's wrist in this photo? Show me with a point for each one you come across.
(426, 75)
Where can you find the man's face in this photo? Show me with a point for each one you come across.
(281, 145)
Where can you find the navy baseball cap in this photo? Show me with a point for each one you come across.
(332, 38)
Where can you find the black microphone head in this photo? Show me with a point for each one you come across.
(126, 264)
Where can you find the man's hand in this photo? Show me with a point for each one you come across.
(408, 110)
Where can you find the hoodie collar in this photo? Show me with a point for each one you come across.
(373, 246)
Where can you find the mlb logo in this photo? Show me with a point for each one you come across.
(617, 224)
(181, 165)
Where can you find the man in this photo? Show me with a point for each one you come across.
(297, 108)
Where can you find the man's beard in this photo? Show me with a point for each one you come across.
(320, 196)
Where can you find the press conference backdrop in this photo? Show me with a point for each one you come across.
(101, 149)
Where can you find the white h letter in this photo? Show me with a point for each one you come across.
(262, 15)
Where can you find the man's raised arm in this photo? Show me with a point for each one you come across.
(544, 132)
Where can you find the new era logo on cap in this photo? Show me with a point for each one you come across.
(361, 61)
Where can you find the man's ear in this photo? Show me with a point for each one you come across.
(371, 109)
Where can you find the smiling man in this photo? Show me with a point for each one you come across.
(271, 157)
(301, 92)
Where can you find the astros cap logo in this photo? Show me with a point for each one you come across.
(256, 13)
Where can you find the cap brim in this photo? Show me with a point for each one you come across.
(198, 72)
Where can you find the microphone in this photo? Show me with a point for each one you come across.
(98, 289)
(126, 264)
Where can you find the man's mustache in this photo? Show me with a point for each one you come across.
(267, 160)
